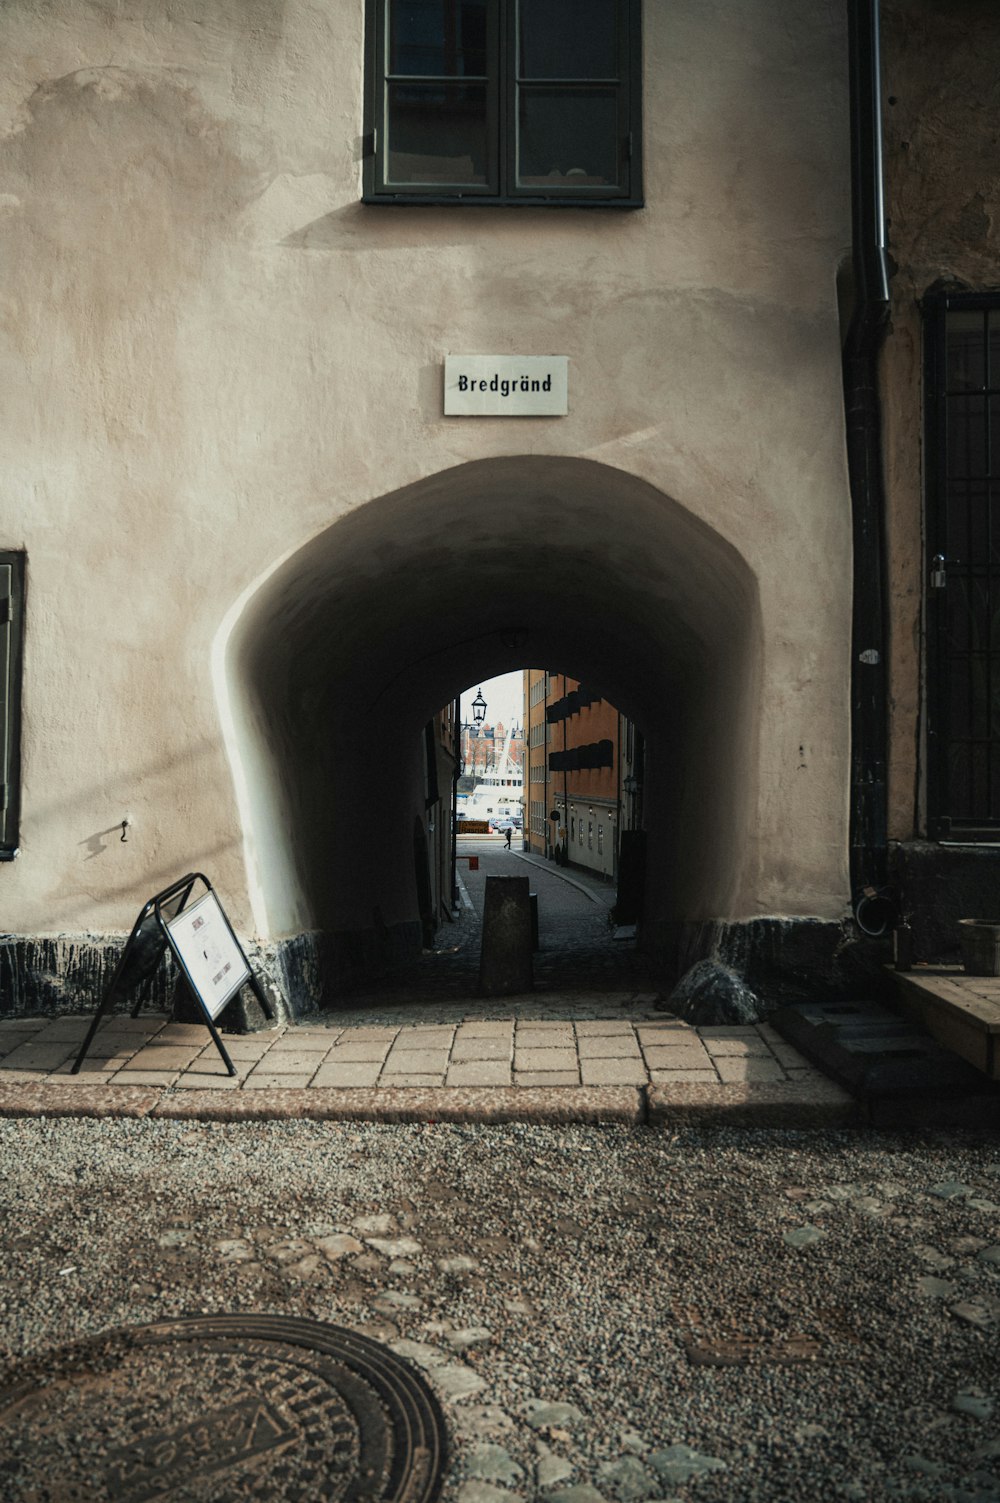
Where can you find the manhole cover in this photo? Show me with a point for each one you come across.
(220, 1408)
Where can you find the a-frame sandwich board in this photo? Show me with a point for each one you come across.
(202, 941)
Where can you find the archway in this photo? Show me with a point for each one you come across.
(343, 654)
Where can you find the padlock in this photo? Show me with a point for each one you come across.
(939, 575)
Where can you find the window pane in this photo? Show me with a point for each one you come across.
(442, 38)
(959, 508)
(979, 528)
(567, 39)
(966, 436)
(568, 138)
(994, 317)
(958, 780)
(960, 718)
(958, 621)
(437, 134)
(966, 351)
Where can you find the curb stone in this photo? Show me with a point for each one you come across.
(821, 1103)
(818, 1104)
(493, 1104)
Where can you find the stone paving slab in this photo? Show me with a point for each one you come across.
(751, 1069)
(415, 1061)
(613, 1072)
(347, 1073)
(545, 1058)
(483, 1072)
(363, 1051)
(276, 1082)
(478, 1048)
(608, 1046)
(546, 1078)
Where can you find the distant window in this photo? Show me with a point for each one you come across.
(590, 836)
(11, 638)
(504, 101)
(600, 839)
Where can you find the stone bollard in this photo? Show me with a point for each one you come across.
(505, 960)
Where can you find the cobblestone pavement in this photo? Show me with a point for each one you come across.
(608, 1315)
(587, 1041)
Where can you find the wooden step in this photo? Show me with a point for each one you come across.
(961, 1011)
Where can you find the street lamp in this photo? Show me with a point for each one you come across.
(631, 786)
(478, 715)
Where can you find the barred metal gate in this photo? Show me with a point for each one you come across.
(963, 555)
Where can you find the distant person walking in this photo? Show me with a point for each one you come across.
(507, 834)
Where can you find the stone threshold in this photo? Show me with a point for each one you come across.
(773, 1105)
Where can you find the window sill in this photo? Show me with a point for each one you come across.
(457, 201)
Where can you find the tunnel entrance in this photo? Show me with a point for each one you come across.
(533, 774)
(341, 658)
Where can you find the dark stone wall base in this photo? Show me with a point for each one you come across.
(936, 885)
(782, 960)
(69, 973)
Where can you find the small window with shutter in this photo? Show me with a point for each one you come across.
(11, 634)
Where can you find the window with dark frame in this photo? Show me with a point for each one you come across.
(963, 556)
(11, 638)
(504, 102)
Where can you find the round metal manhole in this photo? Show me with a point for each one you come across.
(222, 1408)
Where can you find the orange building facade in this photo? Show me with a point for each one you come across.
(574, 799)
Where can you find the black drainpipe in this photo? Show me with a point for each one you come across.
(869, 321)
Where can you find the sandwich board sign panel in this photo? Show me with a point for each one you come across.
(213, 962)
(202, 942)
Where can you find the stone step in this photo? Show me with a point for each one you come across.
(876, 1053)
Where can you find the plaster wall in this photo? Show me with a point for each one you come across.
(214, 357)
(942, 102)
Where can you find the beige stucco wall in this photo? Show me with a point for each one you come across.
(212, 352)
(942, 102)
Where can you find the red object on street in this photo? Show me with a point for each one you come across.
(473, 863)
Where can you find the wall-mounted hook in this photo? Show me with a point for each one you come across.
(125, 824)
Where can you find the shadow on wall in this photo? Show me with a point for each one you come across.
(342, 655)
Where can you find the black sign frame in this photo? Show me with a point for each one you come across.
(144, 950)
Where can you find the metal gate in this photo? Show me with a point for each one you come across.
(963, 554)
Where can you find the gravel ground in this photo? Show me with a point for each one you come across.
(714, 1315)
